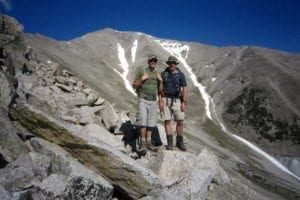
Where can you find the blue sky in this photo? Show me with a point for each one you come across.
(266, 23)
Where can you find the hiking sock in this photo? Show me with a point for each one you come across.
(148, 140)
(180, 144)
(170, 142)
(150, 146)
(143, 144)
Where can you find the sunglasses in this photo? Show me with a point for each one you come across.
(172, 63)
(153, 60)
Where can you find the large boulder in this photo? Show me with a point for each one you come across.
(17, 175)
(129, 178)
(67, 178)
(187, 176)
(102, 134)
(49, 172)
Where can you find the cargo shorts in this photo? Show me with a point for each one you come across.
(172, 109)
(146, 113)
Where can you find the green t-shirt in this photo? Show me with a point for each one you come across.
(148, 90)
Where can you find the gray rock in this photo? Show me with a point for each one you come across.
(55, 89)
(4, 194)
(71, 119)
(61, 80)
(69, 178)
(87, 91)
(84, 115)
(55, 184)
(30, 67)
(17, 175)
(64, 88)
(7, 90)
(169, 172)
(41, 164)
(21, 131)
(10, 30)
(234, 190)
(82, 188)
(57, 69)
(101, 134)
(80, 84)
(70, 100)
(92, 98)
(67, 73)
(99, 101)
(11, 146)
(43, 93)
(60, 187)
(186, 176)
(78, 99)
(109, 117)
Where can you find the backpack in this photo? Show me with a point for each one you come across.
(130, 134)
(155, 136)
(172, 83)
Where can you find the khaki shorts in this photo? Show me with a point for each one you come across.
(172, 111)
(146, 114)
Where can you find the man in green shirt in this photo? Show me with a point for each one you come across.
(147, 84)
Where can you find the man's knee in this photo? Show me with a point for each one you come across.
(167, 122)
(179, 123)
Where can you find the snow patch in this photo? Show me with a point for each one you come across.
(133, 50)
(209, 66)
(270, 158)
(143, 34)
(124, 65)
(213, 79)
(49, 61)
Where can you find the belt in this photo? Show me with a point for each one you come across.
(170, 96)
(147, 97)
(173, 99)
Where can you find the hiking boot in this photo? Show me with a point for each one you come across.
(170, 142)
(143, 146)
(180, 144)
(150, 146)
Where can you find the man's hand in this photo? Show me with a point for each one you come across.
(182, 106)
(137, 83)
(161, 105)
(144, 77)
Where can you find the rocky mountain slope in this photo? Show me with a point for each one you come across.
(63, 103)
(250, 87)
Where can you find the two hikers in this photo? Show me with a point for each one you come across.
(171, 89)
